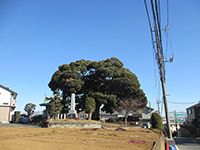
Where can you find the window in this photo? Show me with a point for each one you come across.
(189, 111)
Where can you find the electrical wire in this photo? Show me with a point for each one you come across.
(168, 12)
(166, 30)
(181, 103)
(149, 21)
(153, 51)
(158, 17)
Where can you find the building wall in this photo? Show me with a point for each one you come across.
(6, 100)
(5, 97)
(190, 116)
(4, 114)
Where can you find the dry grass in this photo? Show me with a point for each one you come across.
(72, 139)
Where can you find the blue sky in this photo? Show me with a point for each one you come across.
(37, 36)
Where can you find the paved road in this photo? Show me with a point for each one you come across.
(188, 143)
(18, 125)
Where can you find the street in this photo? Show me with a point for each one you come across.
(188, 143)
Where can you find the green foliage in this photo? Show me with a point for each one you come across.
(37, 119)
(90, 105)
(56, 104)
(156, 121)
(16, 116)
(106, 81)
(29, 108)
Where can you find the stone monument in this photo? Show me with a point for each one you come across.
(72, 110)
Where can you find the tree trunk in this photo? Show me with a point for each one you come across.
(95, 115)
(89, 115)
(126, 118)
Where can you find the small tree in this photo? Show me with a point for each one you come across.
(129, 105)
(156, 121)
(30, 108)
(56, 104)
(90, 106)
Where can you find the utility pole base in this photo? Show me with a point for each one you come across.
(169, 141)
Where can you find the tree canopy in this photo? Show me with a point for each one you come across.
(130, 105)
(106, 81)
(29, 108)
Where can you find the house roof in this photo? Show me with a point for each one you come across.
(46, 101)
(9, 90)
(196, 105)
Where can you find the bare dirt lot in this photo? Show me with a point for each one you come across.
(76, 139)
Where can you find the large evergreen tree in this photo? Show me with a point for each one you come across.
(106, 81)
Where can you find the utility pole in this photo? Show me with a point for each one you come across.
(160, 60)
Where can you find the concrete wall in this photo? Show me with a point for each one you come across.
(106, 117)
(79, 125)
(4, 114)
(160, 143)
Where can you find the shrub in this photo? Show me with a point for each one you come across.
(156, 121)
(16, 116)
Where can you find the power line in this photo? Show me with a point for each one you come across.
(181, 103)
(160, 60)
(154, 54)
(168, 12)
(149, 21)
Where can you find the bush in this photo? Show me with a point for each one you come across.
(37, 119)
(16, 116)
(156, 121)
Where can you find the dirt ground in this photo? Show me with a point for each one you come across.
(76, 139)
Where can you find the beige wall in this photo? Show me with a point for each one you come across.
(4, 114)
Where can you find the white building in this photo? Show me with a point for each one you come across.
(7, 104)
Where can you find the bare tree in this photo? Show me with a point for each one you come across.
(130, 105)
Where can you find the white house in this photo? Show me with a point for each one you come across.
(7, 104)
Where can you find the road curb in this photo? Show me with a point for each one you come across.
(177, 147)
